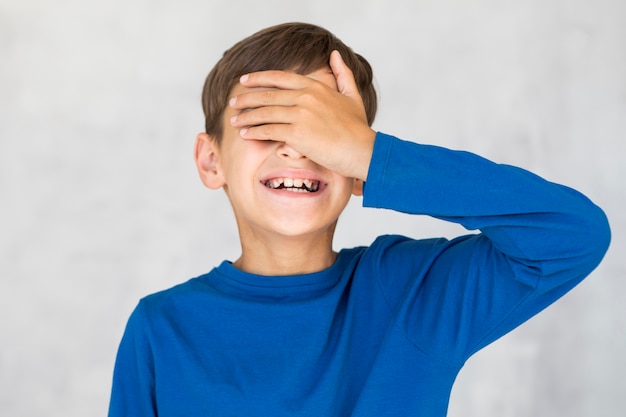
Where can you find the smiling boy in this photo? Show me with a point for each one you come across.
(285, 203)
(292, 328)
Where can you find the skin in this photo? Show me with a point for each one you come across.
(284, 125)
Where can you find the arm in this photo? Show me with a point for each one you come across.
(538, 239)
(527, 217)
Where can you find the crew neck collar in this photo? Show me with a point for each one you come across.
(227, 278)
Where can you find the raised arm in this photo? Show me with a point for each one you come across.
(537, 240)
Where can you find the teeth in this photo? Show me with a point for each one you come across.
(293, 184)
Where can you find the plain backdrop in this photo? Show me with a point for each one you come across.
(100, 203)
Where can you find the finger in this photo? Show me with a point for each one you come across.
(264, 97)
(276, 132)
(277, 79)
(263, 115)
(343, 74)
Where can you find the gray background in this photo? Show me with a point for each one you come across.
(100, 202)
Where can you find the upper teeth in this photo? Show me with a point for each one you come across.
(293, 183)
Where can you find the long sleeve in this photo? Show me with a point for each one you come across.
(537, 240)
(133, 377)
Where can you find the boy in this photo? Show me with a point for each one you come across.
(292, 328)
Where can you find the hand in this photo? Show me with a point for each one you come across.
(327, 125)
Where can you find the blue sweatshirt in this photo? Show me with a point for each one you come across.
(385, 330)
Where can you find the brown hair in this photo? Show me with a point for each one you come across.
(299, 47)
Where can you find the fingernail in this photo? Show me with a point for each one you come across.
(232, 101)
(243, 78)
(242, 132)
(233, 120)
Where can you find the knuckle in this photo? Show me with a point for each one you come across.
(265, 130)
(280, 75)
(302, 113)
(299, 131)
(264, 113)
(308, 98)
(267, 96)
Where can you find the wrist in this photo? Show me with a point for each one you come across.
(364, 156)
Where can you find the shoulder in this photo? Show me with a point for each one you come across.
(395, 248)
(398, 258)
(176, 295)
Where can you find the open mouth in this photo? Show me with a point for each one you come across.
(297, 185)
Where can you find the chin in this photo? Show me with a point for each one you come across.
(298, 229)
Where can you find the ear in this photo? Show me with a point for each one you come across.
(206, 154)
(357, 188)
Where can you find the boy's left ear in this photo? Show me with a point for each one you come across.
(357, 188)
(206, 154)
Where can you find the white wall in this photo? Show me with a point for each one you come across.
(100, 203)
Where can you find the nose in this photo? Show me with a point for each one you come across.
(285, 151)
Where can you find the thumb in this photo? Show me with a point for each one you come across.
(343, 75)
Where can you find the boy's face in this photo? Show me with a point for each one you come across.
(272, 187)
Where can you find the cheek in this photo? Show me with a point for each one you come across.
(346, 184)
(244, 159)
(344, 189)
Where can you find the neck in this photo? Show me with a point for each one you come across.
(286, 255)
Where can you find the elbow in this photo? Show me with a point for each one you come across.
(601, 231)
(580, 252)
(597, 232)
